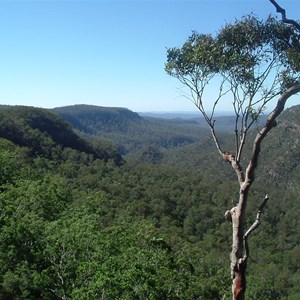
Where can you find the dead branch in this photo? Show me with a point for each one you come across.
(254, 226)
(281, 10)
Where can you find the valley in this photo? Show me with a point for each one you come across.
(103, 202)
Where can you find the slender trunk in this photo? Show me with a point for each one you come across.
(237, 216)
(238, 260)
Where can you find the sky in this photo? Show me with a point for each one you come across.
(106, 53)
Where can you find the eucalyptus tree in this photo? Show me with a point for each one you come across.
(254, 65)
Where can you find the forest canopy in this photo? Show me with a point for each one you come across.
(76, 226)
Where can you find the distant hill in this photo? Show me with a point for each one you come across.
(224, 121)
(181, 115)
(177, 141)
(170, 115)
(127, 129)
(94, 119)
(42, 131)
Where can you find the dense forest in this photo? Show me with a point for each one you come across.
(102, 203)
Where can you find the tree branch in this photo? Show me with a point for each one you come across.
(271, 122)
(254, 226)
(280, 10)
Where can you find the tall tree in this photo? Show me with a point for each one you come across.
(249, 63)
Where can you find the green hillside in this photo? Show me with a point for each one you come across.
(186, 143)
(77, 225)
(94, 119)
(43, 132)
(129, 131)
(281, 152)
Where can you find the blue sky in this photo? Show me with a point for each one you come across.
(106, 53)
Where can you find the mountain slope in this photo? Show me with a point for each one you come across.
(91, 119)
(281, 151)
(186, 143)
(128, 130)
(42, 131)
(279, 162)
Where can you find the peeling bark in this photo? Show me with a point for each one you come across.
(239, 281)
(238, 263)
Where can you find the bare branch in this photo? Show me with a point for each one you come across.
(280, 10)
(216, 141)
(254, 226)
(221, 94)
(244, 100)
(257, 220)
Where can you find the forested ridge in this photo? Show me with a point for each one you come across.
(44, 133)
(127, 129)
(106, 204)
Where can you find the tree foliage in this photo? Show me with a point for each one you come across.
(253, 61)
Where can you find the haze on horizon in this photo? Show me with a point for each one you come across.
(107, 53)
